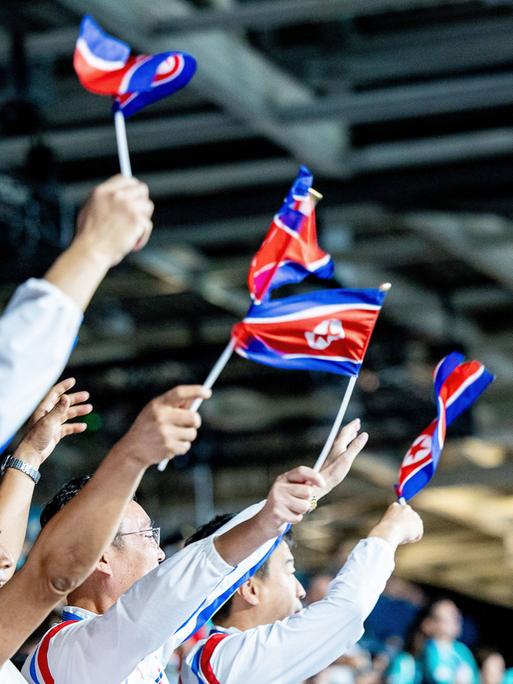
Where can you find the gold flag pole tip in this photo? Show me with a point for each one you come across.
(317, 195)
(385, 287)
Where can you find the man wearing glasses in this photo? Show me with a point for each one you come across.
(126, 618)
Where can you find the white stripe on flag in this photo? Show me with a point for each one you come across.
(323, 357)
(97, 62)
(125, 81)
(464, 386)
(414, 472)
(312, 312)
(289, 231)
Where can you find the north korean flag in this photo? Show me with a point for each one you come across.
(457, 385)
(290, 252)
(104, 66)
(326, 330)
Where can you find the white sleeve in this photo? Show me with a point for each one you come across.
(302, 645)
(37, 332)
(166, 605)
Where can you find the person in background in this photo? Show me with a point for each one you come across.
(444, 659)
(493, 668)
(40, 324)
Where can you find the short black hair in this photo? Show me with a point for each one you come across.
(212, 526)
(63, 496)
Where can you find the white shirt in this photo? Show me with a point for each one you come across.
(10, 675)
(134, 639)
(291, 650)
(37, 332)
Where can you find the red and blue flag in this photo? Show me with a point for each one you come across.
(457, 384)
(290, 252)
(326, 330)
(105, 66)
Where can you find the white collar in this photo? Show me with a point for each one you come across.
(81, 613)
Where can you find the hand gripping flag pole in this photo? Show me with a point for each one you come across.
(384, 287)
(312, 197)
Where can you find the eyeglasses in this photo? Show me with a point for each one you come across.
(150, 533)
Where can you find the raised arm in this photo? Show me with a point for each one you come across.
(72, 542)
(40, 324)
(302, 645)
(48, 425)
(115, 220)
(170, 603)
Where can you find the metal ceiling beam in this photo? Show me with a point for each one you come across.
(145, 135)
(425, 99)
(236, 77)
(493, 257)
(204, 180)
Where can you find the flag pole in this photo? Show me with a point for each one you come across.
(337, 423)
(228, 350)
(122, 143)
(384, 287)
(216, 371)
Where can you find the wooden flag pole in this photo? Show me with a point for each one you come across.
(216, 371)
(122, 143)
(384, 287)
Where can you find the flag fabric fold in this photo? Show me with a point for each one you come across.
(290, 252)
(105, 66)
(326, 330)
(457, 385)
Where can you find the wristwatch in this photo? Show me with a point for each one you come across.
(13, 462)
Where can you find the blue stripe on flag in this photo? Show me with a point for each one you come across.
(260, 353)
(290, 305)
(469, 396)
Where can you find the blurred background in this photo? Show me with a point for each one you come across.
(403, 111)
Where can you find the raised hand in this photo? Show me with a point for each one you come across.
(289, 499)
(49, 422)
(400, 525)
(166, 427)
(116, 219)
(345, 449)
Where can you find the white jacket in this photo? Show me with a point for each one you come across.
(133, 640)
(291, 650)
(37, 332)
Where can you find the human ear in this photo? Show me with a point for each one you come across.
(249, 592)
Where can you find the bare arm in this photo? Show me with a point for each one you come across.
(74, 539)
(49, 425)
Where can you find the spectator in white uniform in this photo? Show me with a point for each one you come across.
(263, 636)
(131, 613)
